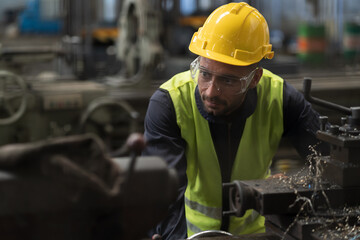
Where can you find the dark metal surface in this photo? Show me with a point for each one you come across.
(274, 196)
(343, 166)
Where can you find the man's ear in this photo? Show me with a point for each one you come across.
(256, 78)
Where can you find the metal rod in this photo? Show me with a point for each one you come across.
(320, 102)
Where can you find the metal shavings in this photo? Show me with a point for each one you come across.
(334, 223)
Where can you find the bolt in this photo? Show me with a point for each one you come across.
(323, 121)
(334, 129)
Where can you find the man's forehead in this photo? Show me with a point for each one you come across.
(224, 68)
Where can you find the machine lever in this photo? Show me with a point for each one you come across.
(135, 144)
(320, 102)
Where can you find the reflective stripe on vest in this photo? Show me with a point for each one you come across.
(261, 136)
(212, 212)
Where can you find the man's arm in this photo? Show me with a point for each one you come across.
(301, 122)
(163, 138)
(162, 134)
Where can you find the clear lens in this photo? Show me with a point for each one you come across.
(205, 78)
(194, 68)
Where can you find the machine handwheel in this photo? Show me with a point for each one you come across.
(12, 97)
(112, 120)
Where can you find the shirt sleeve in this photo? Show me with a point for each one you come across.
(301, 122)
(162, 134)
(163, 139)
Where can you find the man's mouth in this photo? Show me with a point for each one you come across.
(212, 104)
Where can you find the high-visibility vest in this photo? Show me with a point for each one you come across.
(260, 139)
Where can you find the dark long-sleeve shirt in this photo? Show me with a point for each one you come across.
(164, 139)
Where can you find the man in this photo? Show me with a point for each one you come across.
(223, 121)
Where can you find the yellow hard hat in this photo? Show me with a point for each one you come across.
(235, 33)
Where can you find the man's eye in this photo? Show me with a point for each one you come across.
(205, 74)
(227, 81)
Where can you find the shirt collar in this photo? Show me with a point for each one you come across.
(243, 112)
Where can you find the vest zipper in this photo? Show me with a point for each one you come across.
(229, 151)
(225, 221)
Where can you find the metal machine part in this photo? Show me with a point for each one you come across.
(12, 97)
(277, 196)
(319, 202)
(343, 165)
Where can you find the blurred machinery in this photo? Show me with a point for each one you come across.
(88, 38)
(154, 36)
(137, 44)
(125, 57)
(41, 98)
(58, 181)
(43, 95)
(69, 188)
(33, 111)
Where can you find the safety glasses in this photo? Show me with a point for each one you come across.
(223, 83)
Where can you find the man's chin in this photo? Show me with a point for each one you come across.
(214, 111)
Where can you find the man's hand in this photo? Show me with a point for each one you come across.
(156, 237)
(278, 176)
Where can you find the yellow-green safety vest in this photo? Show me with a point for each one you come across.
(258, 144)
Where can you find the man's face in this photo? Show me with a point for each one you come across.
(219, 99)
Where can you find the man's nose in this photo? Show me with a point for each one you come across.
(213, 89)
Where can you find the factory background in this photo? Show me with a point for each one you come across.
(75, 67)
(126, 49)
(283, 17)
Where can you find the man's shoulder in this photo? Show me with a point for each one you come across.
(177, 81)
(268, 74)
(271, 81)
(160, 95)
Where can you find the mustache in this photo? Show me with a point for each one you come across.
(215, 100)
